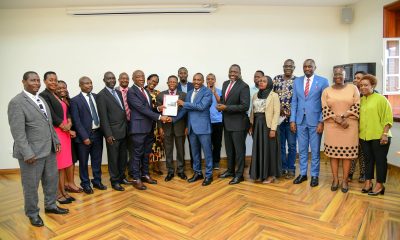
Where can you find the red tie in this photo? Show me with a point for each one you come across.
(126, 106)
(172, 92)
(307, 89)
(229, 89)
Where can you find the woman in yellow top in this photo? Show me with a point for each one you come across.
(376, 118)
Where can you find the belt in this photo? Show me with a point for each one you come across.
(95, 130)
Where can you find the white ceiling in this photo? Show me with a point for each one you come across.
(7, 4)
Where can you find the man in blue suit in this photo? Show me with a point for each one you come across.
(306, 119)
(197, 104)
(89, 138)
(143, 117)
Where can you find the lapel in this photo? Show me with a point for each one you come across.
(113, 98)
(83, 99)
(314, 86)
(31, 102)
(234, 88)
(140, 94)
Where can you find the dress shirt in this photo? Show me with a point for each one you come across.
(184, 87)
(94, 126)
(305, 82)
(216, 117)
(37, 100)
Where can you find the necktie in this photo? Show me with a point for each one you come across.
(41, 107)
(95, 117)
(193, 95)
(114, 93)
(171, 92)
(307, 89)
(145, 95)
(127, 110)
(229, 89)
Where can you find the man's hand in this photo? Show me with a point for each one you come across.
(31, 160)
(58, 148)
(293, 127)
(250, 131)
(180, 102)
(320, 128)
(161, 108)
(165, 119)
(72, 134)
(110, 140)
(221, 107)
(272, 134)
(186, 131)
(87, 142)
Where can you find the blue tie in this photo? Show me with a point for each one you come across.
(95, 117)
(114, 93)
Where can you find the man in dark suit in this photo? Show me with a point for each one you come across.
(173, 131)
(89, 138)
(235, 102)
(113, 123)
(197, 106)
(35, 144)
(140, 130)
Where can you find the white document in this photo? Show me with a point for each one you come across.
(281, 119)
(171, 107)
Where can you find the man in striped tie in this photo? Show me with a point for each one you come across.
(306, 119)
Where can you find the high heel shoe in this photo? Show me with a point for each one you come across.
(334, 187)
(367, 190)
(381, 192)
(345, 189)
(70, 198)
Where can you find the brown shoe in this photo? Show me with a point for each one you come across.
(138, 184)
(149, 179)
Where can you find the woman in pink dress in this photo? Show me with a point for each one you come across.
(62, 125)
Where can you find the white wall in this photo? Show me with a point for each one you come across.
(255, 37)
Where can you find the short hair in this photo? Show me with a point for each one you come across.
(371, 78)
(46, 75)
(62, 81)
(182, 68)
(211, 74)
(108, 72)
(309, 59)
(289, 60)
(26, 75)
(201, 75)
(83, 78)
(362, 72)
(236, 65)
(123, 73)
(259, 71)
(172, 76)
(153, 75)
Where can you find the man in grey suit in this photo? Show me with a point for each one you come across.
(35, 145)
(171, 131)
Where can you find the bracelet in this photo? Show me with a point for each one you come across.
(386, 134)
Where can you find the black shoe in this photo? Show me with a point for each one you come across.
(56, 210)
(367, 190)
(182, 176)
(71, 198)
(196, 176)
(99, 186)
(350, 177)
(300, 179)
(381, 192)
(216, 166)
(126, 182)
(334, 187)
(36, 221)
(345, 189)
(87, 190)
(226, 174)
(236, 180)
(118, 187)
(65, 201)
(169, 177)
(207, 181)
(361, 179)
(314, 181)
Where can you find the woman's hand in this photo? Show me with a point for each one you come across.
(272, 134)
(384, 139)
(250, 130)
(344, 124)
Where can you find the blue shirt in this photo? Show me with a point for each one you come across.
(216, 117)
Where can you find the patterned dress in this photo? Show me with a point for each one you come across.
(157, 151)
(339, 142)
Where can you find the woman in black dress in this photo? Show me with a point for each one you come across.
(264, 117)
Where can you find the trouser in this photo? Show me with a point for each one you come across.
(375, 154)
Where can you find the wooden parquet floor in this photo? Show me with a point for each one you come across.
(179, 210)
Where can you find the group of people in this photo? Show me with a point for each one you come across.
(52, 131)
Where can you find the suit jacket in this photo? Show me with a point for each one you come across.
(82, 117)
(272, 110)
(112, 116)
(189, 87)
(56, 109)
(310, 105)
(237, 103)
(143, 115)
(198, 119)
(33, 134)
(178, 128)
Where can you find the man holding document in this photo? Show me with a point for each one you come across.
(173, 131)
(197, 106)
